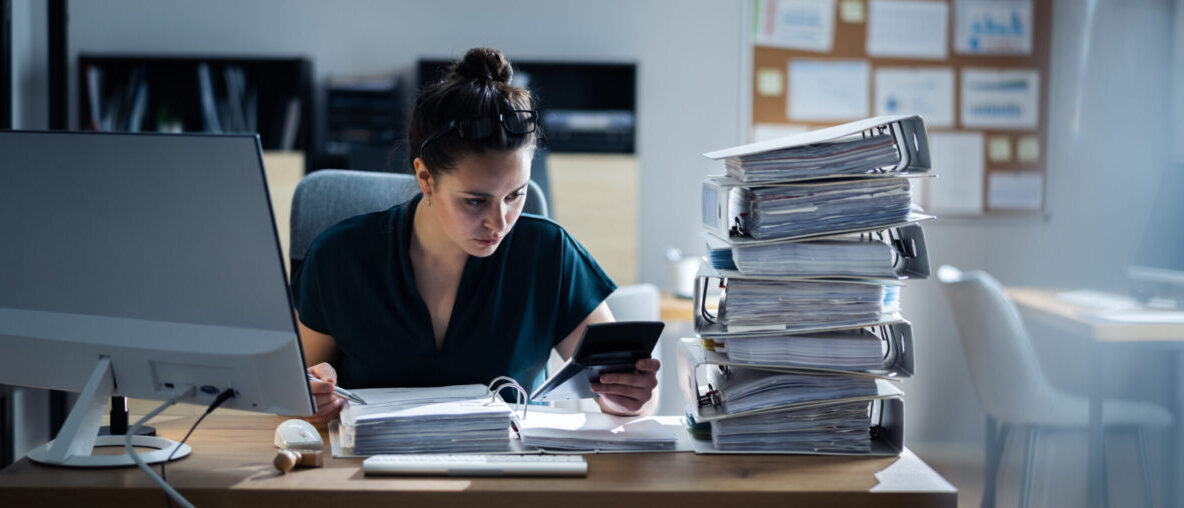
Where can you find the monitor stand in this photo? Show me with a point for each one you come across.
(80, 434)
(118, 420)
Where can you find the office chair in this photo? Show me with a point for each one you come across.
(326, 197)
(1010, 385)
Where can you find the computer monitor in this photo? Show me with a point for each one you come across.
(142, 265)
(1158, 267)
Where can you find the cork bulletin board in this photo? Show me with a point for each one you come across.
(980, 81)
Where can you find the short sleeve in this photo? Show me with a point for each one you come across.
(308, 291)
(582, 286)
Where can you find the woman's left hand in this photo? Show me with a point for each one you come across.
(625, 393)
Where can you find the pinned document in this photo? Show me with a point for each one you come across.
(961, 157)
(796, 24)
(999, 149)
(770, 82)
(1016, 190)
(828, 90)
(993, 27)
(1001, 99)
(924, 91)
(907, 29)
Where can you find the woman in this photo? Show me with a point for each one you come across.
(455, 286)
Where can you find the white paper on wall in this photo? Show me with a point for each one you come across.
(928, 92)
(828, 90)
(957, 158)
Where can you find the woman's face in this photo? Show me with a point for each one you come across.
(478, 202)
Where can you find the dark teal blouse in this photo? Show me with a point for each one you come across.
(511, 308)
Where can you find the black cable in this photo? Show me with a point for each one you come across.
(226, 395)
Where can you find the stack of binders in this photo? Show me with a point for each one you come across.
(801, 342)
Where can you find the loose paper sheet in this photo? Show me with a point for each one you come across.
(796, 24)
(1014, 190)
(907, 28)
(958, 160)
(993, 27)
(1001, 99)
(928, 92)
(828, 90)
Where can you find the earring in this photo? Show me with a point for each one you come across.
(429, 199)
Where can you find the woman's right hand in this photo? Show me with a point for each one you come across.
(328, 404)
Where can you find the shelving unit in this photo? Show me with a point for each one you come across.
(270, 96)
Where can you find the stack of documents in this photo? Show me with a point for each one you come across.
(593, 432)
(745, 390)
(449, 419)
(843, 157)
(845, 350)
(853, 257)
(830, 428)
(809, 238)
(792, 210)
(759, 302)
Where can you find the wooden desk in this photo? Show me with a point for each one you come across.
(676, 309)
(231, 466)
(1042, 305)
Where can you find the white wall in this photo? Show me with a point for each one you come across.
(1103, 170)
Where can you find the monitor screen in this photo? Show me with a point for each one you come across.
(156, 251)
(1162, 244)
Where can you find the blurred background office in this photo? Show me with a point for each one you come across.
(634, 92)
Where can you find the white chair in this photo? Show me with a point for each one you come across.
(1011, 386)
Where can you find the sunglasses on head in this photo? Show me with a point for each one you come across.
(517, 122)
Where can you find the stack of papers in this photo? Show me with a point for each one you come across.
(593, 432)
(836, 158)
(743, 390)
(844, 258)
(846, 350)
(808, 208)
(449, 419)
(831, 428)
(758, 302)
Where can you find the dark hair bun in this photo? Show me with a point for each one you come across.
(483, 64)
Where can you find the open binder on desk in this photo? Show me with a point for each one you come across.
(893, 253)
(474, 419)
(879, 413)
(871, 148)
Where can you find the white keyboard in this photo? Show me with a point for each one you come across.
(476, 465)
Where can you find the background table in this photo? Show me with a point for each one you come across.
(231, 466)
(1042, 305)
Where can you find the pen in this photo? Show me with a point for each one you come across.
(341, 391)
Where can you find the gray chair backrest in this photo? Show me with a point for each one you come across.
(1004, 368)
(326, 197)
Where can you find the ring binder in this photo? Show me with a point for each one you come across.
(909, 257)
(521, 395)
